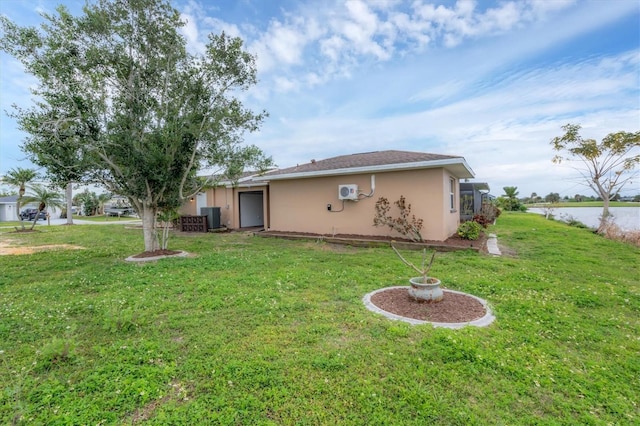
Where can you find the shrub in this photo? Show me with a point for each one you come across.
(490, 211)
(482, 220)
(406, 224)
(470, 230)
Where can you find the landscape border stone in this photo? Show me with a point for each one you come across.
(487, 319)
(153, 258)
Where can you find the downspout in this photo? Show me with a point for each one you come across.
(373, 187)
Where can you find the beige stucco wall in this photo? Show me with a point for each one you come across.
(228, 199)
(188, 208)
(301, 205)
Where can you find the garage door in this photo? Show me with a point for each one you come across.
(251, 211)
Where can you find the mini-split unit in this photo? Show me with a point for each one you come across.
(348, 192)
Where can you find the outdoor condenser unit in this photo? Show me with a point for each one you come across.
(348, 192)
(213, 216)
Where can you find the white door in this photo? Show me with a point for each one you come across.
(201, 201)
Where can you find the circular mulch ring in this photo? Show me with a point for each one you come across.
(456, 309)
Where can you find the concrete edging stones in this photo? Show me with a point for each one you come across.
(487, 319)
(150, 259)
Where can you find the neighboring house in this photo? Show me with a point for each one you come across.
(8, 208)
(472, 195)
(338, 195)
(9, 211)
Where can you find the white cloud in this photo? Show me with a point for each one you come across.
(217, 26)
(503, 130)
(191, 34)
(283, 44)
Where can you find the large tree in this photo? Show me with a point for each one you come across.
(119, 89)
(605, 167)
(19, 178)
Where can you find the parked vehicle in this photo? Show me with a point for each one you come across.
(30, 214)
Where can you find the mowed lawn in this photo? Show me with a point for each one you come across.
(257, 331)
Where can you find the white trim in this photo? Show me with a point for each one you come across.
(372, 169)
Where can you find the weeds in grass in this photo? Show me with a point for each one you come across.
(120, 320)
(55, 353)
(572, 221)
(614, 232)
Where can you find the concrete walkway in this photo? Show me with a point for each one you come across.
(492, 245)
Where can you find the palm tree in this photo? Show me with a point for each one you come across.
(511, 202)
(20, 178)
(102, 200)
(44, 197)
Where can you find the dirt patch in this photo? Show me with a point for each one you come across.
(453, 308)
(6, 249)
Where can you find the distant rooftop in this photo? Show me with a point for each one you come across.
(9, 199)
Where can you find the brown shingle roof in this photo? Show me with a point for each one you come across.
(367, 159)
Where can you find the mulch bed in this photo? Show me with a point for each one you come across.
(453, 308)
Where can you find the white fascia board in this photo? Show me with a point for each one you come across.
(228, 184)
(246, 185)
(447, 163)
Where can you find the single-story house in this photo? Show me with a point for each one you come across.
(8, 208)
(338, 195)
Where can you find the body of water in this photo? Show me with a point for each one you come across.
(627, 218)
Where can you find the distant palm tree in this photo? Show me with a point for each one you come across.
(44, 197)
(102, 200)
(20, 178)
(511, 191)
(510, 200)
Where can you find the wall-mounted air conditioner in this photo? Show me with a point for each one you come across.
(348, 192)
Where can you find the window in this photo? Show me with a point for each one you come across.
(452, 194)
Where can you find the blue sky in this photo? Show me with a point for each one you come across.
(492, 81)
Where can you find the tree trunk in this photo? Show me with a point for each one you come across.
(606, 215)
(19, 204)
(149, 228)
(69, 195)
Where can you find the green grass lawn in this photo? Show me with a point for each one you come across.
(263, 331)
(16, 223)
(97, 218)
(104, 218)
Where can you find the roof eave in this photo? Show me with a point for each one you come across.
(458, 166)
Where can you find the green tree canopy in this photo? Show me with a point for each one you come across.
(552, 197)
(605, 167)
(120, 97)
